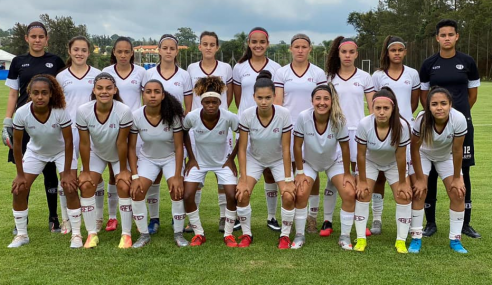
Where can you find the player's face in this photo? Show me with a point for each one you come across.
(168, 51)
(300, 50)
(264, 98)
(258, 43)
(382, 110)
(40, 94)
(396, 53)
(447, 38)
(211, 105)
(123, 52)
(36, 39)
(440, 106)
(208, 46)
(79, 52)
(153, 94)
(322, 102)
(104, 90)
(347, 53)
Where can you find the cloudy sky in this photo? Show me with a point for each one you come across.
(320, 19)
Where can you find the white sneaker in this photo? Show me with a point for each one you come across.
(298, 242)
(99, 225)
(66, 227)
(76, 241)
(18, 241)
(344, 242)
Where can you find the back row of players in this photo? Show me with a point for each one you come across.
(322, 115)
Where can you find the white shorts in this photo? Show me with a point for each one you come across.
(139, 145)
(390, 171)
(76, 142)
(97, 164)
(334, 170)
(150, 168)
(444, 168)
(292, 158)
(224, 175)
(255, 169)
(34, 163)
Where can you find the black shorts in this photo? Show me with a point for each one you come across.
(468, 147)
(25, 140)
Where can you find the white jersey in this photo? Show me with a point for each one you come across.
(298, 88)
(320, 149)
(351, 93)
(178, 85)
(104, 134)
(244, 75)
(380, 151)
(158, 140)
(211, 144)
(130, 86)
(77, 90)
(222, 70)
(402, 87)
(46, 137)
(442, 143)
(266, 140)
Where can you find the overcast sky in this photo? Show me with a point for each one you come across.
(319, 19)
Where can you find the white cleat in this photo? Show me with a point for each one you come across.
(76, 241)
(180, 240)
(18, 241)
(298, 242)
(66, 227)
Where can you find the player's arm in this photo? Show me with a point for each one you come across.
(17, 151)
(401, 163)
(237, 94)
(230, 91)
(122, 146)
(179, 152)
(188, 101)
(279, 97)
(415, 155)
(369, 101)
(132, 153)
(85, 149)
(457, 156)
(298, 141)
(472, 96)
(286, 154)
(423, 97)
(361, 161)
(241, 154)
(11, 102)
(415, 99)
(67, 137)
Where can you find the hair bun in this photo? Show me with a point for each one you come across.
(264, 74)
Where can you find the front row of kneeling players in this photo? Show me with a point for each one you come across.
(320, 144)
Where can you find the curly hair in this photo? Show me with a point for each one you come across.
(332, 64)
(209, 83)
(57, 100)
(171, 109)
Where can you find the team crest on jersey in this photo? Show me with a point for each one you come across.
(54, 126)
(330, 136)
(49, 65)
(357, 84)
(90, 81)
(276, 130)
(221, 132)
(459, 66)
(112, 126)
(134, 81)
(407, 82)
(166, 129)
(311, 79)
(177, 84)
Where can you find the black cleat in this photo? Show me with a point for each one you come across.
(469, 231)
(429, 230)
(54, 225)
(237, 225)
(273, 225)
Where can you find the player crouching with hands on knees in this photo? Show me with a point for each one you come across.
(437, 139)
(49, 126)
(381, 146)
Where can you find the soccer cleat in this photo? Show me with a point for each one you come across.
(180, 240)
(230, 241)
(456, 245)
(111, 225)
(18, 241)
(400, 246)
(91, 241)
(430, 229)
(469, 231)
(415, 245)
(198, 240)
(99, 225)
(222, 224)
(368, 232)
(154, 225)
(326, 229)
(246, 241)
(54, 225)
(284, 242)
(76, 241)
(299, 241)
(273, 225)
(344, 242)
(237, 225)
(125, 241)
(312, 227)
(14, 231)
(142, 241)
(376, 227)
(66, 227)
(361, 244)
(188, 228)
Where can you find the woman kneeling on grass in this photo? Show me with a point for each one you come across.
(320, 129)
(48, 125)
(437, 139)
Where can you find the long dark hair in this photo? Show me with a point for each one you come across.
(384, 61)
(105, 75)
(428, 121)
(170, 106)
(121, 39)
(169, 36)
(333, 63)
(264, 79)
(70, 44)
(248, 54)
(395, 122)
(57, 100)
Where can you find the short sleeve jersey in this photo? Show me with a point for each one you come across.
(244, 75)
(320, 148)
(351, 92)
(211, 144)
(178, 85)
(46, 137)
(129, 86)
(158, 140)
(298, 88)
(442, 143)
(265, 140)
(379, 150)
(222, 70)
(25, 67)
(457, 74)
(77, 90)
(104, 134)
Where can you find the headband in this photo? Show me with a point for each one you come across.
(347, 42)
(390, 44)
(110, 78)
(168, 38)
(258, 31)
(385, 98)
(36, 26)
(42, 78)
(300, 37)
(209, 94)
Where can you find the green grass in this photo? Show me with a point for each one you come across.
(48, 259)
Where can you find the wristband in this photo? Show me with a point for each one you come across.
(135, 176)
(289, 179)
(299, 171)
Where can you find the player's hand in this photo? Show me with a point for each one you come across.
(349, 179)
(301, 183)
(288, 189)
(190, 164)
(177, 188)
(232, 166)
(85, 177)
(125, 177)
(135, 188)
(69, 182)
(419, 189)
(458, 186)
(19, 184)
(404, 191)
(242, 190)
(362, 190)
(8, 133)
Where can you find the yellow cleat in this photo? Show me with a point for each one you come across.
(400, 246)
(92, 241)
(125, 241)
(361, 244)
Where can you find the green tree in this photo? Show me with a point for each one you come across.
(17, 44)
(186, 36)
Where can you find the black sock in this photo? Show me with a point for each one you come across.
(51, 188)
(468, 202)
(431, 199)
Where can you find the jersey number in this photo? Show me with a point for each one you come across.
(466, 149)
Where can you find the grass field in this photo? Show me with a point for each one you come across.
(48, 258)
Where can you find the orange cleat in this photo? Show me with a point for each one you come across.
(284, 242)
(198, 240)
(246, 240)
(112, 225)
(230, 241)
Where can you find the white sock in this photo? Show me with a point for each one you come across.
(329, 201)
(112, 201)
(313, 206)
(287, 219)
(403, 219)
(300, 219)
(198, 198)
(230, 219)
(88, 208)
(194, 218)
(346, 222)
(139, 209)
(179, 215)
(244, 216)
(20, 219)
(377, 206)
(153, 199)
(271, 199)
(75, 216)
(360, 216)
(455, 224)
(100, 201)
(222, 204)
(417, 223)
(63, 203)
(126, 215)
